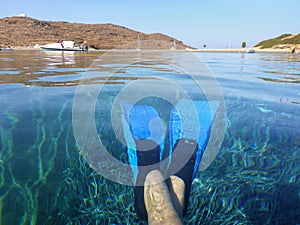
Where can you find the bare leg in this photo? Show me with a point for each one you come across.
(158, 201)
(177, 188)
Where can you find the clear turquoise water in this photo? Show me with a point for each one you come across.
(255, 178)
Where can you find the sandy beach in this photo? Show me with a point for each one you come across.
(241, 50)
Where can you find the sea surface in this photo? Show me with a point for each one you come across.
(45, 178)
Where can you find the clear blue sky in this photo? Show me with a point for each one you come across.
(195, 22)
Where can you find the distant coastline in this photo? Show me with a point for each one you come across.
(211, 50)
(19, 33)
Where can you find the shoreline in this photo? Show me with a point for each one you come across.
(242, 50)
(216, 50)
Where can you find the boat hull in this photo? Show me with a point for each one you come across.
(63, 46)
(64, 49)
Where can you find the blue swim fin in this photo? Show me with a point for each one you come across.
(190, 125)
(144, 133)
(191, 119)
(141, 122)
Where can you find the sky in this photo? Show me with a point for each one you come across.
(215, 23)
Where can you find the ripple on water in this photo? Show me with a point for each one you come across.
(44, 179)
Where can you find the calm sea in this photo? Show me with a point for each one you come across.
(254, 179)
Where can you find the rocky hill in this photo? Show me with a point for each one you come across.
(291, 41)
(25, 31)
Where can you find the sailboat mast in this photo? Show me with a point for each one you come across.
(139, 42)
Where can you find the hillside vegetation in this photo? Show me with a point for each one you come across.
(285, 40)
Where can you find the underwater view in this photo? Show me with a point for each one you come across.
(46, 178)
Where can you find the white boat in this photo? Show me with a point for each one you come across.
(6, 49)
(250, 51)
(64, 46)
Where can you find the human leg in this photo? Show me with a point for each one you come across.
(177, 189)
(143, 132)
(158, 201)
(190, 124)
